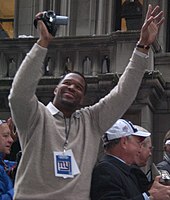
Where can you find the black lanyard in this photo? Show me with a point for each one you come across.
(67, 131)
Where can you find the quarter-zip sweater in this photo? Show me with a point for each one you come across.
(41, 133)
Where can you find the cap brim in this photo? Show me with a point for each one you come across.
(167, 142)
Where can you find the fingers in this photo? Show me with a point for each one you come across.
(45, 36)
(148, 21)
(159, 19)
(148, 14)
(158, 15)
(155, 11)
(155, 16)
(160, 22)
(38, 15)
(157, 178)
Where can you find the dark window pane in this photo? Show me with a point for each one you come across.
(131, 14)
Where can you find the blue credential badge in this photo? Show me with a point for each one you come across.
(63, 164)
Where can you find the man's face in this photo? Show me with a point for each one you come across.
(167, 148)
(133, 148)
(145, 153)
(70, 91)
(5, 139)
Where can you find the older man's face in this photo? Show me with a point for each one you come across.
(145, 153)
(5, 139)
(133, 148)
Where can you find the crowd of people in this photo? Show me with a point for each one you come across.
(118, 175)
(60, 142)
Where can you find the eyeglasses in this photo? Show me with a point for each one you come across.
(2, 121)
(151, 148)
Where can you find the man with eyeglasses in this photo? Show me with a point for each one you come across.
(146, 150)
(6, 140)
(141, 160)
(113, 177)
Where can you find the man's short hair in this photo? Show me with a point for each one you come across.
(78, 73)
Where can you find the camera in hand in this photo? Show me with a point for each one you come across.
(52, 21)
(165, 177)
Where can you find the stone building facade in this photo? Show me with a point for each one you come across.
(95, 43)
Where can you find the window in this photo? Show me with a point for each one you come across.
(131, 14)
(6, 18)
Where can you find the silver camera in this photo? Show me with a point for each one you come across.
(165, 177)
(52, 21)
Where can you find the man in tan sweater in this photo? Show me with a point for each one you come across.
(60, 152)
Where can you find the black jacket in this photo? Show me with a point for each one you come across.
(165, 164)
(114, 180)
(143, 184)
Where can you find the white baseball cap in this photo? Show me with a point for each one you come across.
(123, 128)
(167, 142)
(142, 130)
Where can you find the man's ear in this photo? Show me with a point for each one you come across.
(55, 90)
(123, 142)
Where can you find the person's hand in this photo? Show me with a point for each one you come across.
(149, 31)
(159, 191)
(12, 129)
(45, 36)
